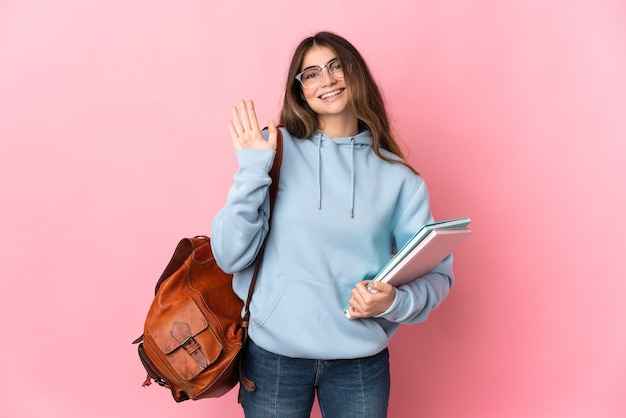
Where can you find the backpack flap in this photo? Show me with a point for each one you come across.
(186, 340)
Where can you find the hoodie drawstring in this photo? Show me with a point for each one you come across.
(319, 175)
(352, 178)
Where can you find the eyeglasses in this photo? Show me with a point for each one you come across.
(312, 77)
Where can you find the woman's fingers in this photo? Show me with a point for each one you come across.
(243, 116)
(368, 302)
(244, 128)
(236, 121)
(234, 135)
(252, 122)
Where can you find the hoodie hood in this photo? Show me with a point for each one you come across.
(352, 144)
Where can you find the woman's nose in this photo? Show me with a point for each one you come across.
(327, 77)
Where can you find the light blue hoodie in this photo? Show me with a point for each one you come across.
(339, 214)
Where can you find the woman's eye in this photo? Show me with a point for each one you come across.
(310, 75)
(336, 66)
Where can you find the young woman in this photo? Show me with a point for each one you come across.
(346, 200)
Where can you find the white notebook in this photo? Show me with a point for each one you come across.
(429, 252)
(427, 248)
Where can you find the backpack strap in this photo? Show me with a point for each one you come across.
(273, 190)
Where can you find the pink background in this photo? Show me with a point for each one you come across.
(115, 145)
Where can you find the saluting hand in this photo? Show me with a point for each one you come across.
(244, 128)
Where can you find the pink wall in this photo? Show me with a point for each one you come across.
(114, 145)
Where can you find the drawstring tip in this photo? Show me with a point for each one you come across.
(352, 213)
(319, 204)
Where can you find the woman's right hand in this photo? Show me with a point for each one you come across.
(244, 128)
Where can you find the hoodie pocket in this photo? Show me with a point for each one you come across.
(307, 316)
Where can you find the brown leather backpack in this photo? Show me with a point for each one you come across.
(194, 331)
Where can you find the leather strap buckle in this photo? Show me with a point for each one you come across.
(182, 334)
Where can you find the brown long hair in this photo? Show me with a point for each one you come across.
(365, 97)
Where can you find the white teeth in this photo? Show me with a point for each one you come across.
(331, 94)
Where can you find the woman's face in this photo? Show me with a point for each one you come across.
(330, 98)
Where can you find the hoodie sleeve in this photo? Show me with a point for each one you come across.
(415, 300)
(238, 229)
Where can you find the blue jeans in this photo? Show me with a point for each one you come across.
(286, 387)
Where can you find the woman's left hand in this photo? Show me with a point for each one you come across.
(366, 303)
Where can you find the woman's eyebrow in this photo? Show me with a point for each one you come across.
(319, 66)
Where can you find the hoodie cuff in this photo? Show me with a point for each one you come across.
(255, 159)
(394, 304)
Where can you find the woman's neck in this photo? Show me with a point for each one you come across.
(339, 127)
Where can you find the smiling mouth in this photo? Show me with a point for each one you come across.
(331, 94)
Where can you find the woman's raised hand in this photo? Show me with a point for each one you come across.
(245, 131)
